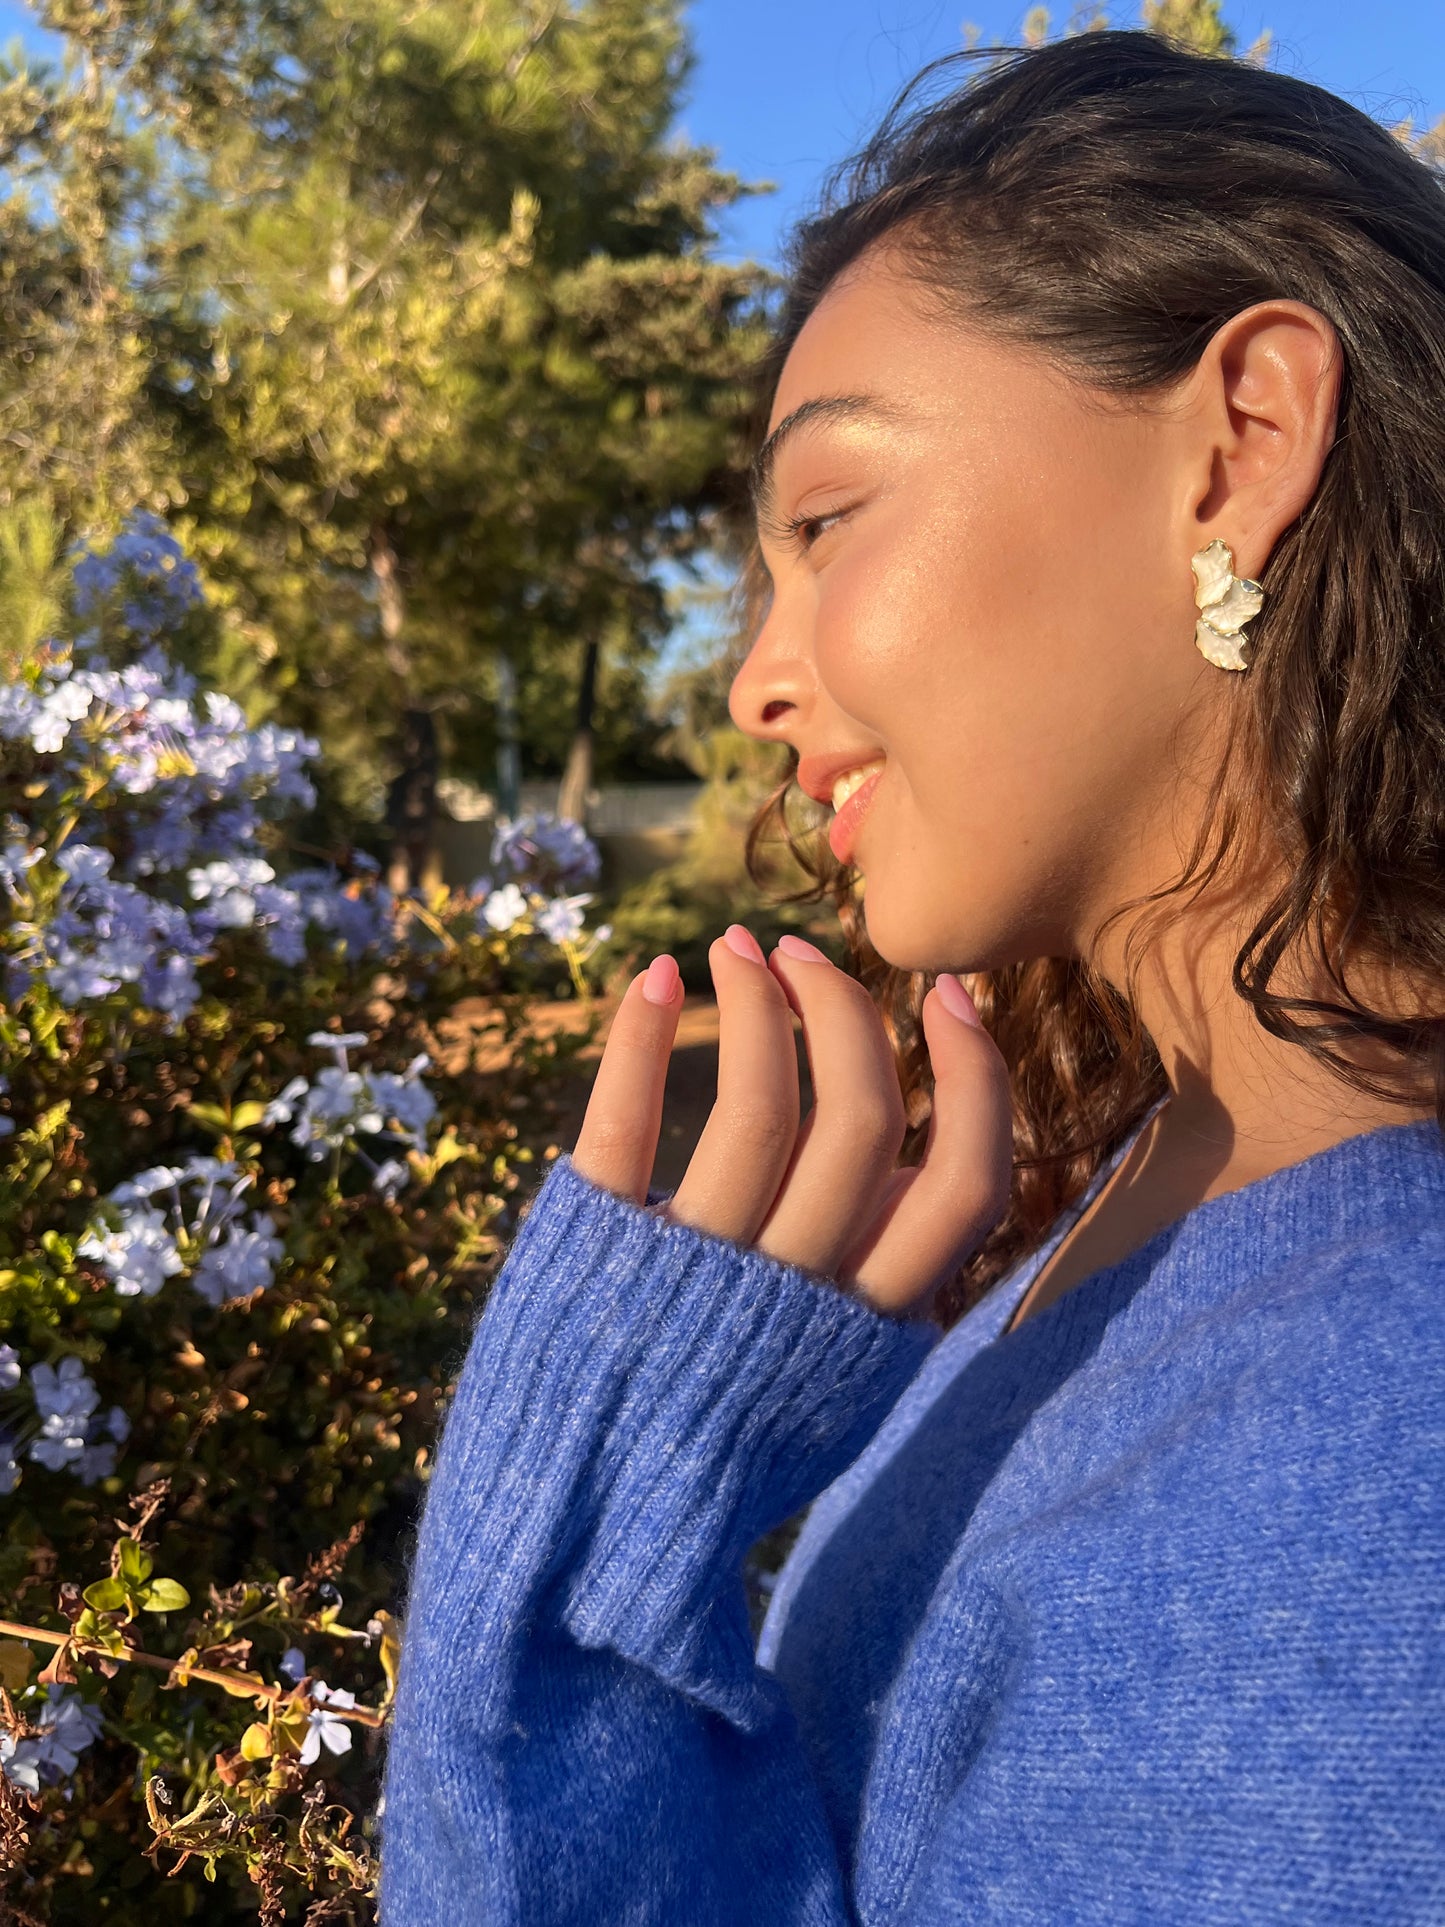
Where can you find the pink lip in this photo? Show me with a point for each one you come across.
(844, 828)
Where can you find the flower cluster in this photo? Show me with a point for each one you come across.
(228, 1252)
(339, 1105)
(146, 572)
(72, 1435)
(553, 851)
(162, 793)
(549, 852)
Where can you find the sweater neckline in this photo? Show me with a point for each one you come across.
(1390, 1176)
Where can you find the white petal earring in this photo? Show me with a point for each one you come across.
(1226, 602)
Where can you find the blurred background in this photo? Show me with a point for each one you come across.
(429, 330)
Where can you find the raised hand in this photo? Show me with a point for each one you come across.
(827, 1193)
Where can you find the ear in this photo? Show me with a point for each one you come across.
(1261, 412)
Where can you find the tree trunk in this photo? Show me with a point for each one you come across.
(509, 755)
(577, 779)
(411, 795)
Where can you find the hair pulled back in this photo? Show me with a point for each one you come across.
(1110, 200)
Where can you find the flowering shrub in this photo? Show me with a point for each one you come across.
(249, 1204)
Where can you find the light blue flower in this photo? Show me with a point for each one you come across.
(9, 1368)
(229, 888)
(76, 977)
(16, 859)
(19, 707)
(338, 1105)
(83, 863)
(20, 1761)
(96, 1462)
(390, 1177)
(140, 1256)
(504, 908)
(337, 1040)
(406, 1100)
(282, 1107)
(562, 919)
(243, 1262)
(323, 1727)
(293, 1664)
(70, 1725)
(66, 1393)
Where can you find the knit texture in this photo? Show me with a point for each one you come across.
(1132, 1615)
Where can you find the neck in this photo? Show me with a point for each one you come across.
(1244, 1103)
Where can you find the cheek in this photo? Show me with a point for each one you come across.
(941, 631)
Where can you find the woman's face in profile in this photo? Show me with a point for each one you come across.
(978, 579)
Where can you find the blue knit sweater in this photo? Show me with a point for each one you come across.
(1133, 1615)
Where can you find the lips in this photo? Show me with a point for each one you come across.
(843, 830)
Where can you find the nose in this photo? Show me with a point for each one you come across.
(773, 690)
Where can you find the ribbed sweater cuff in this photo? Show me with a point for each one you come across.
(722, 1391)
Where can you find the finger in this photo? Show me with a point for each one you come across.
(940, 1210)
(743, 1152)
(617, 1145)
(851, 1138)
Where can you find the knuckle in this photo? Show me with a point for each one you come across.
(876, 1125)
(755, 989)
(611, 1137)
(766, 1128)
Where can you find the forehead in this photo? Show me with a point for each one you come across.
(870, 334)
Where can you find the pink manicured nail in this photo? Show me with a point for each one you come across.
(661, 981)
(792, 946)
(738, 937)
(956, 1000)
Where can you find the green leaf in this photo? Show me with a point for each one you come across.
(106, 1595)
(245, 1115)
(135, 1565)
(212, 1116)
(164, 1596)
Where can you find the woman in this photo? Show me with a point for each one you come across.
(1103, 514)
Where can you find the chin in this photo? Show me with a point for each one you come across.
(914, 926)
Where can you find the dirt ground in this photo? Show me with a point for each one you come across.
(691, 1076)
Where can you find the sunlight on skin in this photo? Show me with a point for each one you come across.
(981, 573)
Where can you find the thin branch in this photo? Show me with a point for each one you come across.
(239, 1684)
(401, 234)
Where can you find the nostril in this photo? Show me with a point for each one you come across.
(774, 709)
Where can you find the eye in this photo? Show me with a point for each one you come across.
(802, 531)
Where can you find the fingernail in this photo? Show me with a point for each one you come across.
(661, 981)
(956, 1000)
(792, 946)
(738, 937)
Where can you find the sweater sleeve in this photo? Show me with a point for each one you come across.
(581, 1731)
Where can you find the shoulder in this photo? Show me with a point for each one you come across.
(1330, 1367)
(1376, 1293)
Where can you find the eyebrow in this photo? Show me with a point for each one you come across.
(822, 408)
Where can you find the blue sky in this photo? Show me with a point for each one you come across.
(782, 88)
(785, 87)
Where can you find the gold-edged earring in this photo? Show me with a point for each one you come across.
(1226, 602)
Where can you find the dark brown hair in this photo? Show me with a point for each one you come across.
(1110, 200)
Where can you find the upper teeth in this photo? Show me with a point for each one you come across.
(852, 780)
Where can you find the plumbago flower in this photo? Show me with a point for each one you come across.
(68, 1723)
(202, 1228)
(339, 1105)
(251, 1193)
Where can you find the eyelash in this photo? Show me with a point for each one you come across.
(792, 530)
